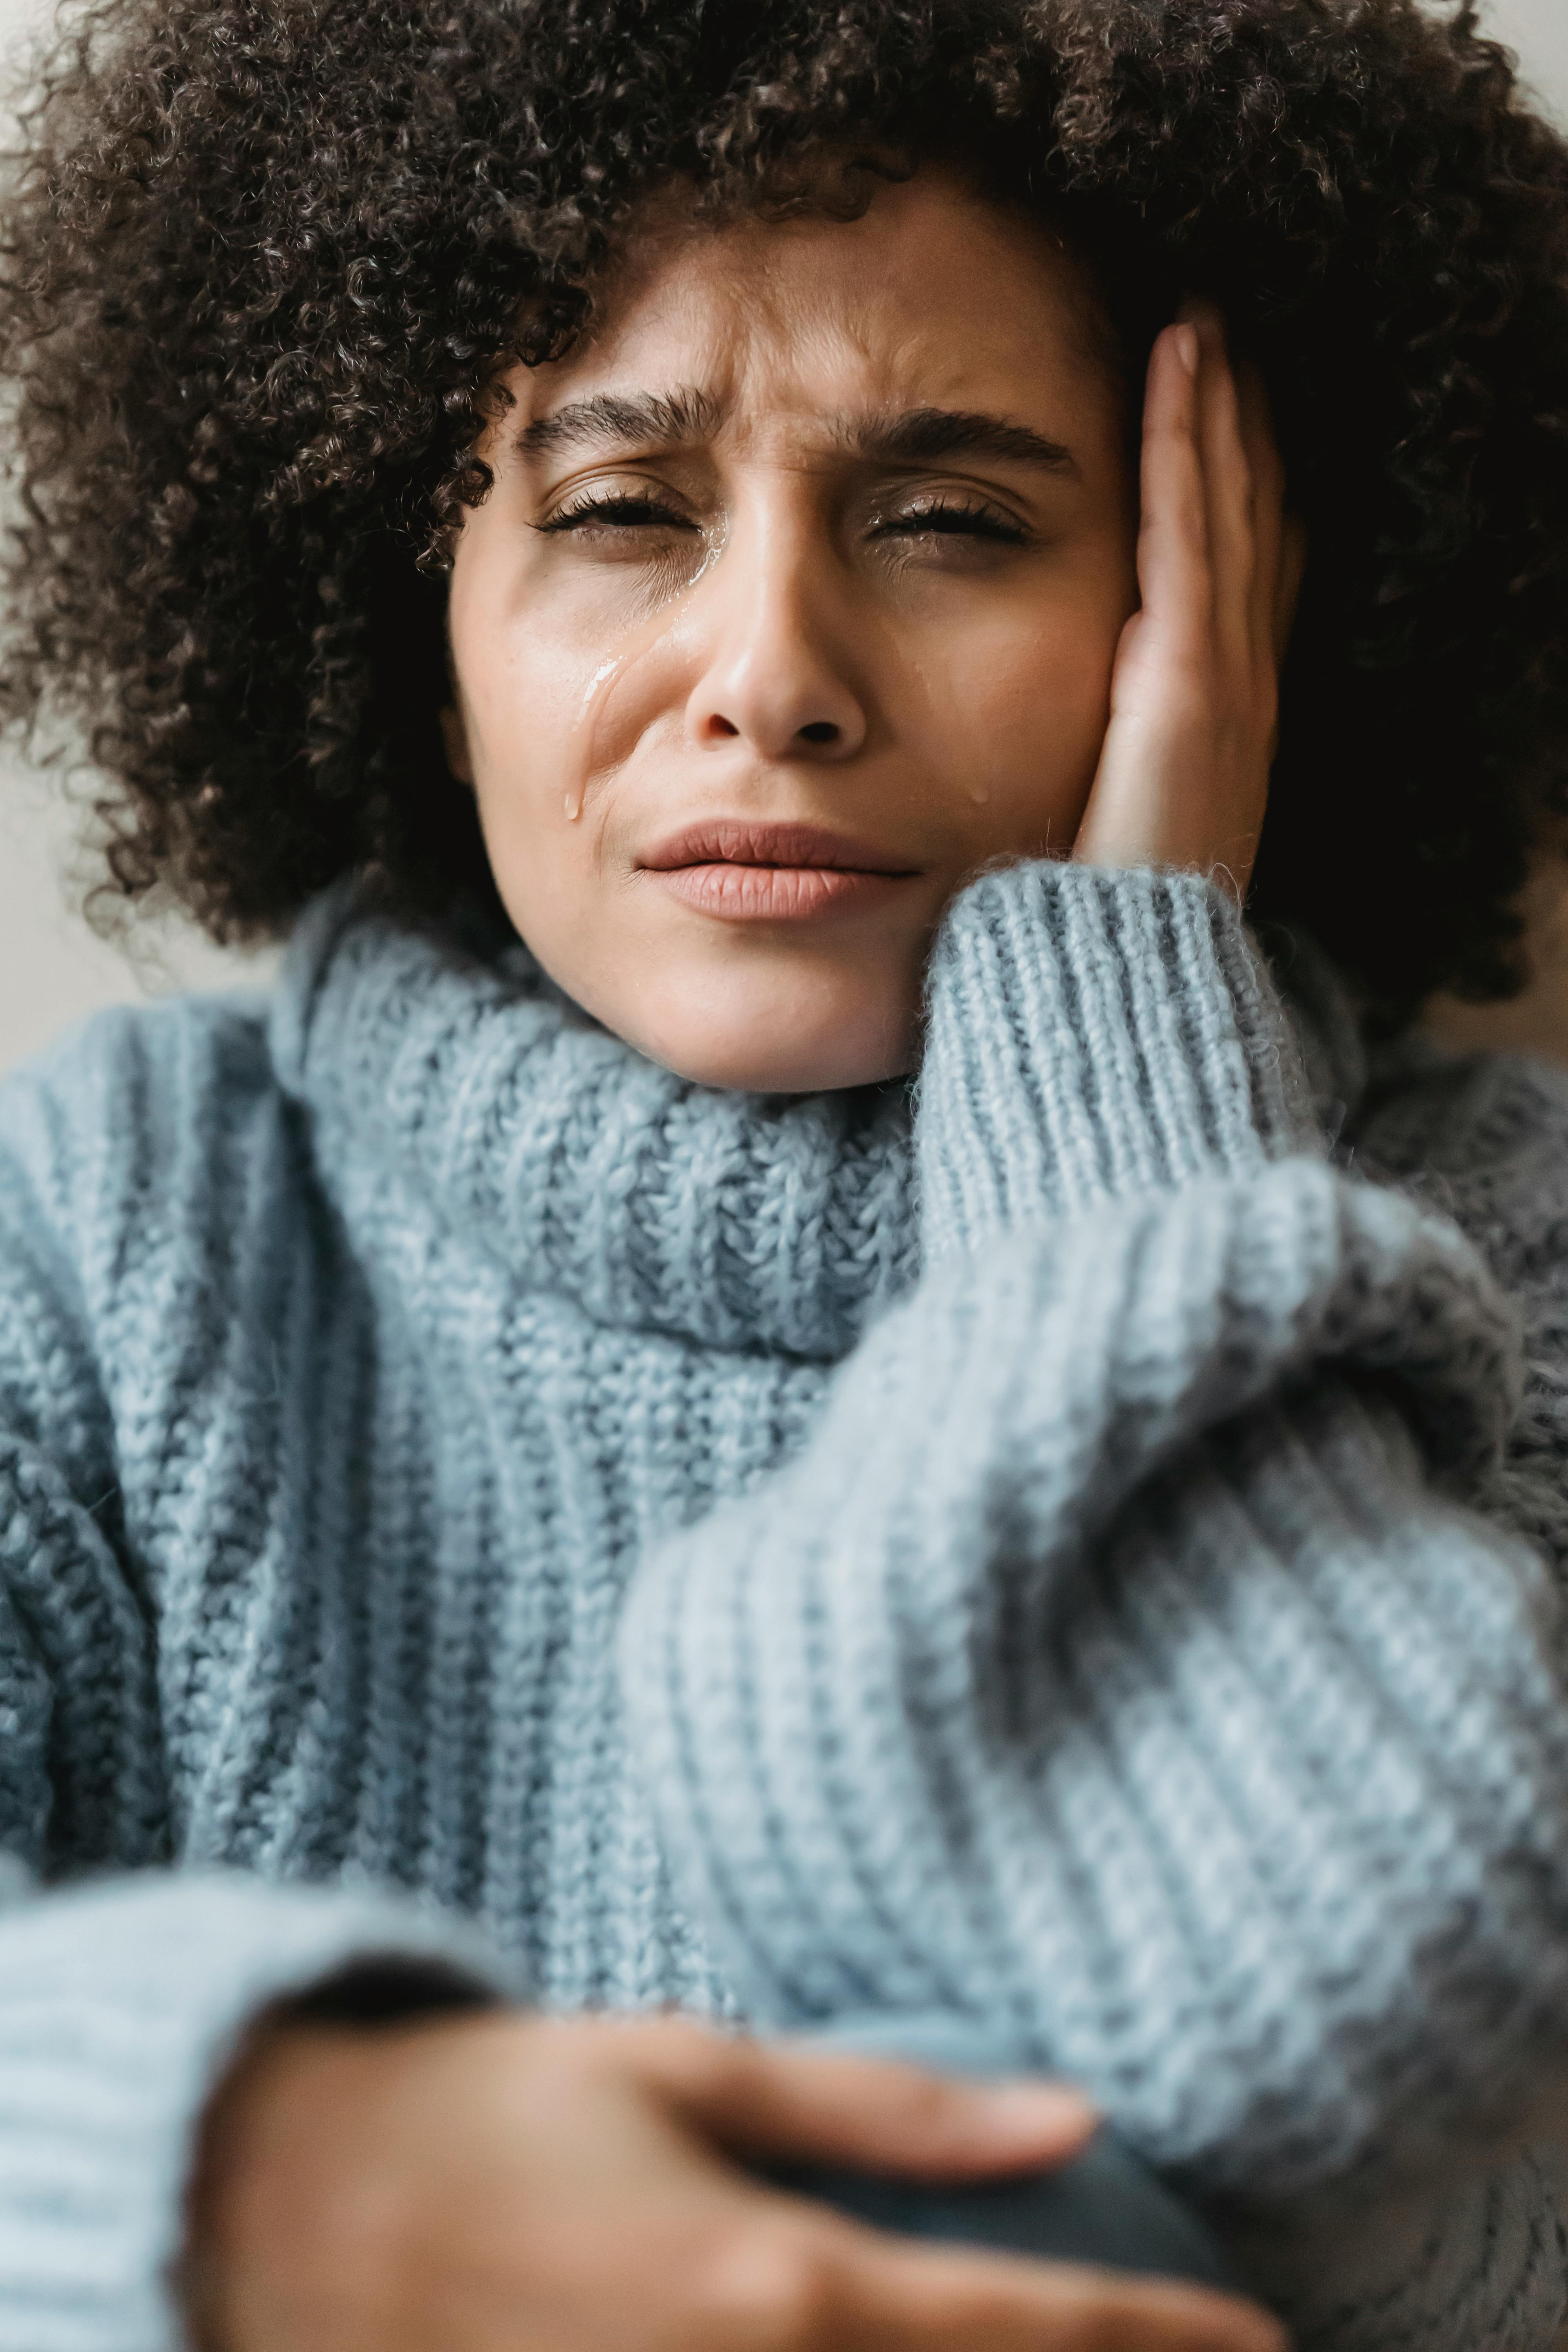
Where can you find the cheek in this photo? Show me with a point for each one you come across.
(557, 687)
(1015, 706)
(522, 691)
(520, 686)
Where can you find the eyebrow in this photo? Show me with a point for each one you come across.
(912, 437)
(667, 419)
(919, 436)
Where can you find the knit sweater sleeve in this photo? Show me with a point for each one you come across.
(125, 1984)
(1129, 1662)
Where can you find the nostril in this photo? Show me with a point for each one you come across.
(820, 730)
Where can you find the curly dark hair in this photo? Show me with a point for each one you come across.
(266, 259)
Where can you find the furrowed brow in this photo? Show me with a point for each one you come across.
(663, 420)
(921, 435)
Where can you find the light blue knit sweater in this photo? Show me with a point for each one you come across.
(1082, 1559)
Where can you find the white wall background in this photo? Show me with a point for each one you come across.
(53, 969)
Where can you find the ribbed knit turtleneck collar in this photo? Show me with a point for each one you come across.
(450, 1072)
(473, 1089)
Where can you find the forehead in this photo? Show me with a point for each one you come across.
(933, 296)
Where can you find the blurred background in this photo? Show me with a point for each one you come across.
(53, 969)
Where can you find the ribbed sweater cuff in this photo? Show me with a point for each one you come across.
(1092, 1034)
(120, 2006)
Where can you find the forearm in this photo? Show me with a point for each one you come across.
(1245, 1808)
(1119, 1656)
(121, 2006)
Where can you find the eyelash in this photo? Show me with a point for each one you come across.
(938, 517)
(622, 508)
(952, 517)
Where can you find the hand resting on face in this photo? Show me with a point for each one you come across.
(1184, 777)
(812, 581)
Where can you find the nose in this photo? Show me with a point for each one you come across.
(778, 677)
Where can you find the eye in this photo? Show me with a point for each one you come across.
(946, 516)
(615, 511)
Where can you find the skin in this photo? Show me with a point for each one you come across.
(766, 603)
(801, 644)
(514, 2184)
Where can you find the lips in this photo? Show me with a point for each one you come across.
(736, 841)
(742, 871)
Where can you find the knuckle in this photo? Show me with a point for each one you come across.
(731, 2071)
(764, 2289)
(558, 2047)
(697, 2046)
(692, 2059)
(670, 2057)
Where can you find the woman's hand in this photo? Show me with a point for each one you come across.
(504, 2183)
(1183, 778)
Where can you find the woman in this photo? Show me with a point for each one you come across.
(719, 563)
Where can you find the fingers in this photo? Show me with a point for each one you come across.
(1265, 481)
(1173, 531)
(878, 2295)
(1258, 553)
(1184, 773)
(787, 2099)
(1280, 539)
(804, 2281)
(1213, 494)
(1229, 488)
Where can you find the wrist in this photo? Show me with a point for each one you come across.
(236, 2185)
(1094, 1034)
(265, 2187)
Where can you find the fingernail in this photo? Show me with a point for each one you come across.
(1027, 2107)
(1187, 347)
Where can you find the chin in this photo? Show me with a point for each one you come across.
(773, 1057)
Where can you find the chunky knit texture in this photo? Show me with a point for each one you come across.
(1077, 1559)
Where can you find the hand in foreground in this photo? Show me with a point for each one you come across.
(1184, 777)
(491, 2183)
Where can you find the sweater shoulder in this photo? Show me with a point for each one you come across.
(102, 1123)
(1482, 1137)
(219, 1036)
(136, 1156)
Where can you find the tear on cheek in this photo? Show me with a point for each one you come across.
(646, 679)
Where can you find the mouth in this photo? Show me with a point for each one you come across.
(742, 871)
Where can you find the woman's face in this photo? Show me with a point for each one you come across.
(795, 600)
